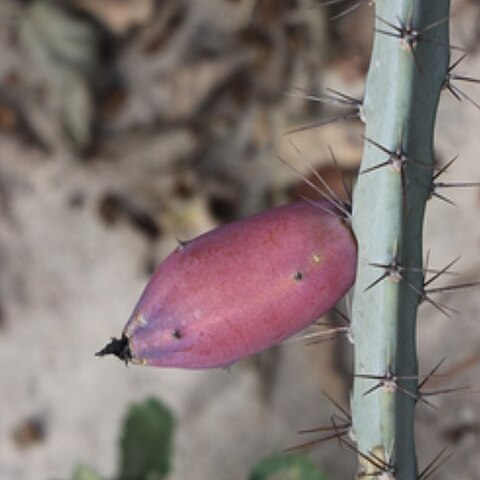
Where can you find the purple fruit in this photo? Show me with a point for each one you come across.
(241, 288)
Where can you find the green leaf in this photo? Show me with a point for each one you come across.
(286, 467)
(65, 47)
(82, 472)
(145, 443)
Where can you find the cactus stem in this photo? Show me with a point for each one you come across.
(409, 60)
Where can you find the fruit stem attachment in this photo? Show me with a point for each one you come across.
(119, 347)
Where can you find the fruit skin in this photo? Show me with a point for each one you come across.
(241, 288)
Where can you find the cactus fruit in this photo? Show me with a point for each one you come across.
(241, 288)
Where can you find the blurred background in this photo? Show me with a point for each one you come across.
(128, 124)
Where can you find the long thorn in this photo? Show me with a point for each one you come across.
(431, 373)
(333, 200)
(376, 281)
(444, 198)
(441, 272)
(444, 391)
(336, 404)
(317, 441)
(449, 288)
(375, 167)
(325, 335)
(340, 118)
(462, 94)
(332, 195)
(431, 468)
(347, 11)
(371, 458)
(445, 167)
(344, 317)
(346, 188)
(457, 185)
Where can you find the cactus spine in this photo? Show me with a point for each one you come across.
(407, 70)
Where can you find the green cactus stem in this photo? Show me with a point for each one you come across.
(408, 67)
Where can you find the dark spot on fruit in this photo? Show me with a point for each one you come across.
(298, 276)
(177, 334)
